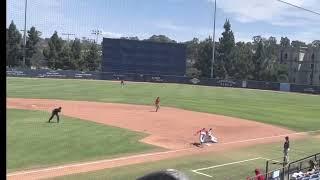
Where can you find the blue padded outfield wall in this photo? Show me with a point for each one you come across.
(143, 57)
(46, 73)
(60, 74)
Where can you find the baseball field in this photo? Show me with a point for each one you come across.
(109, 132)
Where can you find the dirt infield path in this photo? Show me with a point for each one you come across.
(170, 128)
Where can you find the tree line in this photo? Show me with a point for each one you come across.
(256, 60)
(54, 53)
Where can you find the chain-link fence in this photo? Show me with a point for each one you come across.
(275, 170)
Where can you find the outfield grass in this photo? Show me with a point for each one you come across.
(32, 142)
(298, 150)
(295, 111)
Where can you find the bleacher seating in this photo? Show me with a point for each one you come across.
(314, 176)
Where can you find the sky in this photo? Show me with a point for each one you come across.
(181, 20)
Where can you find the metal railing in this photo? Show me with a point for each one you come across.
(286, 171)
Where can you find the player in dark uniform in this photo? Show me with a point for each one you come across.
(55, 112)
(286, 148)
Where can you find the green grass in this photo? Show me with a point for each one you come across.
(295, 111)
(299, 149)
(32, 142)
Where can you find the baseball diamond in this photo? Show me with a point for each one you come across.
(170, 131)
(162, 89)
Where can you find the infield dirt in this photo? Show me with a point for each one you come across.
(169, 128)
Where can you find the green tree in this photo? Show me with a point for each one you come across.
(13, 46)
(265, 59)
(284, 42)
(130, 38)
(272, 55)
(315, 43)
(31, 45)
(192, 48)
(76, 56)
(224, 65)
(272, 50)
(38, 60)
(65, 57)
(258, 61)
(242, 55)
(257, 40)
(92, 58)
(160, 39)
(298, 44)
(53, 51)
(203, 63)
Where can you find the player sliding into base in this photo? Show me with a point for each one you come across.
(202, 133)
(211, 136)
(206, 136)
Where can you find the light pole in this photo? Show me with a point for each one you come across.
(68, 34)
(24, 34)
(213, 37)
(97, 33)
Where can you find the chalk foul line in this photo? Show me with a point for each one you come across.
(146, 155)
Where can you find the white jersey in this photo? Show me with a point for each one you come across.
(202, 134)
(213, 139)
(210, 133)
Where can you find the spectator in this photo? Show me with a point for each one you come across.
(169, 174)
(316, 165)
(259, 176)
(312, 167)
(298, 175)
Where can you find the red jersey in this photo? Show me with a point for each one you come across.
(201, 131)
(259, 176)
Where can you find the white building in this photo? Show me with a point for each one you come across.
(303, 64)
